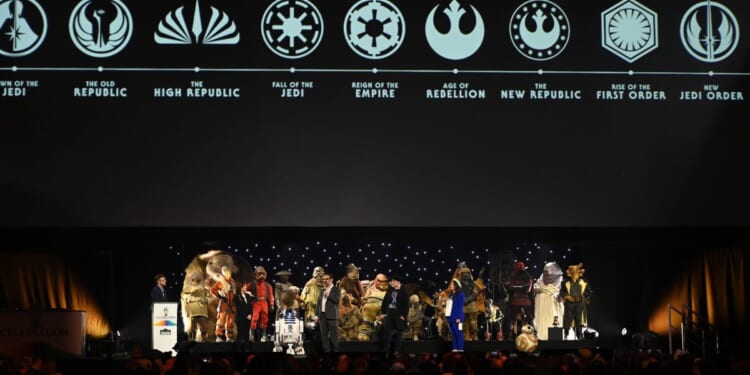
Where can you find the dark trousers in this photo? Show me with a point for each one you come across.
(329, 334)
(393, 336)
(243, 328)
(573, 314)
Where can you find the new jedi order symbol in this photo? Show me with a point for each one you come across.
(709, 31)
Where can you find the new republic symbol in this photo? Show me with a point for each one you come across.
(545, 36)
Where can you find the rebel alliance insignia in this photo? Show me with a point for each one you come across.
(549, 32)
(709, 31)
(23, 25)
(100, 29)
(454, 45)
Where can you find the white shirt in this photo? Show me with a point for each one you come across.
(325, 298)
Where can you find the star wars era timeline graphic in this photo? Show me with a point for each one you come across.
(539, 30)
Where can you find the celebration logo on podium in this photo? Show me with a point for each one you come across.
(455, 44)
(23, 25)
(219, 29)
(539, 29)
(100, 29)
(374, 29)
(292, 29)
(629, 30)
(709, 31)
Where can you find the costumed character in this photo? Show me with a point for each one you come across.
(415, 319)
(548, 306)
(527, 340)
(494, 320)
(350, 318)
(472, 291)
(280, 287)
(440, 323)
(371, 303)
(289, 325)
(194, 298)
(311, 292)
(224, 289)
(521, 286)
(349, 285)
(263, 302)
(576, 293)
(209, 265)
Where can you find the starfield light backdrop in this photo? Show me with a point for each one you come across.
(374, 112)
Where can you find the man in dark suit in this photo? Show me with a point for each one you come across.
(393, 310)
(159, 291)
(327, 313)
(244, 303)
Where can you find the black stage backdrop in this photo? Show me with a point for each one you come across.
(119, 147)
(631, 271)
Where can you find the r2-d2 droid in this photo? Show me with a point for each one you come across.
(289, 332)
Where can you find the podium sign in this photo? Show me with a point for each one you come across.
(61, 333)
(164, 326)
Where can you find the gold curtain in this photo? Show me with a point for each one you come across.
(713, 285)
(32, 281)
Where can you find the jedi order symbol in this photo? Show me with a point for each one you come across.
(709, 31)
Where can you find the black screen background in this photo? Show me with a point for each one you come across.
(332, 160)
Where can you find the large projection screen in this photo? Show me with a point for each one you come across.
(374, 112)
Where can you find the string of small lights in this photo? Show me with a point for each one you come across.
(418, 263)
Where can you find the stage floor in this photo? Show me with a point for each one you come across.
(409, 347)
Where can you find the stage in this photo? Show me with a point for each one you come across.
(409, 347)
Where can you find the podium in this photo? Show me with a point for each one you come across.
(164, 326)
(554, 334)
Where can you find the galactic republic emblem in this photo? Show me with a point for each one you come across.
(100, 29)
(292, 29)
